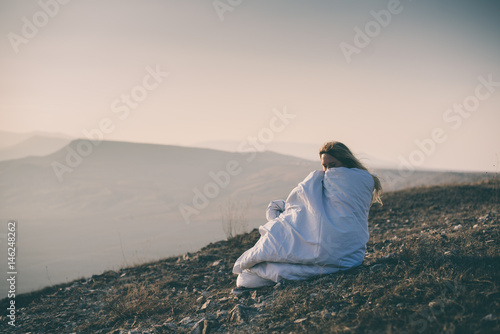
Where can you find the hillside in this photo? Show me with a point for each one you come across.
(432, 266)
(132, 193)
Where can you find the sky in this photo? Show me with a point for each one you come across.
(415, 83)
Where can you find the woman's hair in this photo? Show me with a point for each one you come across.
(340, 152)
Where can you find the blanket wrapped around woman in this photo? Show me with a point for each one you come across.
(323, 229)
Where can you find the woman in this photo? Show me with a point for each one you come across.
(320, 229)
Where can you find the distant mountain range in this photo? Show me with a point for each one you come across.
(300, 150)
(20, 145)
(85, 208)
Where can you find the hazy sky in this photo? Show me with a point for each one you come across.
(67, 67)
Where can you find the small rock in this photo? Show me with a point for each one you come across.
(216, 263)
(475, 226)
(208, 304)
(260, 305)
(489, 317)
(169, 325)
(326, 315)
(483, 218)
(221, 314)
(298, 321)
(184, 257)
(240, 313)
(198, 327)
(203, 326)
(459, 226)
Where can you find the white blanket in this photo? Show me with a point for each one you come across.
(323, 229)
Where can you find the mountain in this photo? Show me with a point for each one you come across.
(120, 203)
(300, 150)
(431, 266)
(33, 146)
(11, 138)
(90, 207)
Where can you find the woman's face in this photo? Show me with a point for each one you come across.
(327, 161)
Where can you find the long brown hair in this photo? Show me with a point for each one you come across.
(343, 154)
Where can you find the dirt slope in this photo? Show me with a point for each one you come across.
(432, 266)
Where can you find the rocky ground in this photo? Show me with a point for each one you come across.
(431, 267)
